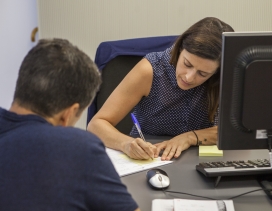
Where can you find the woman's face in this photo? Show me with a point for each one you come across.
(192, 70)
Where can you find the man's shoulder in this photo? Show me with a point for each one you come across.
(67, 136)
(72, 133)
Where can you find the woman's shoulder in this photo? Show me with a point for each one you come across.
(157, 56)
(143, 68)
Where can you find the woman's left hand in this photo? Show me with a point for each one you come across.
(174, 146)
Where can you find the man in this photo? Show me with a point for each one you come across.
(45, 164)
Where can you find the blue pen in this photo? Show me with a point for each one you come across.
(137, 125)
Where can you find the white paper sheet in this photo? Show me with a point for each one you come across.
(125, 165)
(201, 205)
(193, 205)
(163, 205)
(189, 205)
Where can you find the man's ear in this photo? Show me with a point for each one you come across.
(69, 115)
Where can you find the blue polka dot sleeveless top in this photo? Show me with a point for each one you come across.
(168, 110)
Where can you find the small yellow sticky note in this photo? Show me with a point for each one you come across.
(210, 151)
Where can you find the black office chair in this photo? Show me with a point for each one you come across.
(115, 59)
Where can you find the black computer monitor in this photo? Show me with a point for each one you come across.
(245, 103)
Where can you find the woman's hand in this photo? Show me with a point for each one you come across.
(174, 146)
(139, 149)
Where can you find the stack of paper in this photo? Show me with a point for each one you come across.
(191, 205)
(210, 151)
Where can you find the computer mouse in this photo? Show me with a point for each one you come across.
(157, 178)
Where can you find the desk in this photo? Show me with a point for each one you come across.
(184, 178)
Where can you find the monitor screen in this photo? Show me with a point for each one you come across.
(245, 103)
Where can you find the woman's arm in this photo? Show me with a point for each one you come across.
(174, 146)
(125, 97)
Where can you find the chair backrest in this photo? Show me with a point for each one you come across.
(115, 59)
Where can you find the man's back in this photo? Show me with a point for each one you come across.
(46, 167)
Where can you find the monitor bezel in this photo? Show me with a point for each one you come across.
(233, 43)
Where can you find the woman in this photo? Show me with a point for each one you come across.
(173, 93)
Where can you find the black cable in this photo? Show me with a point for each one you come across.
(245, 193)
(168, 191)
(269, 134)
(269, 138)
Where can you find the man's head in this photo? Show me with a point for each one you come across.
(54, 76)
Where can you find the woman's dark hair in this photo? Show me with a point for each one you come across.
(53, 76)
(204, 39)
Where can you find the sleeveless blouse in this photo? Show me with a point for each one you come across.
(168, 110)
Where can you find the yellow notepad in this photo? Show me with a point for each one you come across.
(210, 151)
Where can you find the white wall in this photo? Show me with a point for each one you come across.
(17, 20)
(87, 23)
